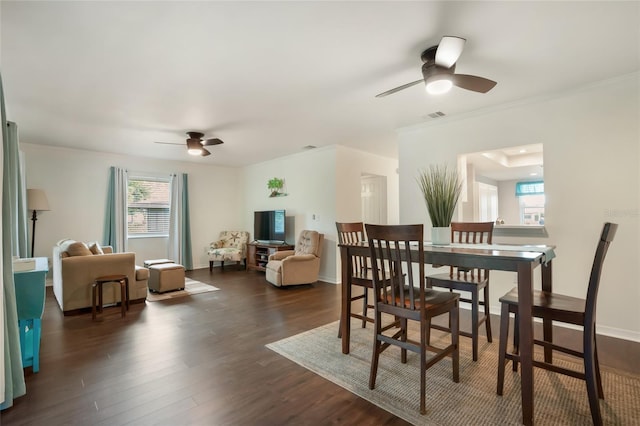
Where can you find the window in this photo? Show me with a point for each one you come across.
(531, 200)
(148, 206)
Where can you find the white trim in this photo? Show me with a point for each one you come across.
(602, 330)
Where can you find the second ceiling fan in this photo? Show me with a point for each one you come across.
(438, 70)
(196, 143)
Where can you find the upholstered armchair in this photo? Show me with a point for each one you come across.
(299, 266)
(231, 246)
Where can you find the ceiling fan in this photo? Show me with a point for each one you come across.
(195, 143)
(439, 64)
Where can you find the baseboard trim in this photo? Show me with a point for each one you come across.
(603, 330)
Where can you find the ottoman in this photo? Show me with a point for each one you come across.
(166, 277)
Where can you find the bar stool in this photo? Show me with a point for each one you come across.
(96, 288)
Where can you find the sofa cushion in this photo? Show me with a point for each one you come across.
(78, 249)
(95, 248)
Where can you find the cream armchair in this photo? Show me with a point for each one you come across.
(231, 246)
(299, 266)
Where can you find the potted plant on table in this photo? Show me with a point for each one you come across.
(441, 188)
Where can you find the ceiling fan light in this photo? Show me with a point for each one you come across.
(438, 86)
(194, 147)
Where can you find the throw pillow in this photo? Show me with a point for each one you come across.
(78, 249)
(95, 248)
(64, 244)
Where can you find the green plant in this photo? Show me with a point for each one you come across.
(275, 185)
(441, 188)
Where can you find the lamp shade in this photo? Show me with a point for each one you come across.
(37, 200)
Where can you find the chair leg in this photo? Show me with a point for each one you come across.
(487, 314)
(598, 377)
(340, 328)
(502, 349)
(210, 265)
(365, 304)
(376, 350)
(475, 307)
(516, 340)
(454, 316)
(423, 367)
(590, 374)
(403, 337)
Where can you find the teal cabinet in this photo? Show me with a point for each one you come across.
(30, 295)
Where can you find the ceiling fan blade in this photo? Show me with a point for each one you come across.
(473, 82)
(449, 51)
(213, 141)
(399, 88)
(169, 143)
(205, 152)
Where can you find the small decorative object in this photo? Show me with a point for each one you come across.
(441, 188)
(275, 186)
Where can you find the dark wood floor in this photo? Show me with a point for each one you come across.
(201, 360)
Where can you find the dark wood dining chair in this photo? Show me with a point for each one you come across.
(471, 280)
(566, 309)
(404, 297)
(350, 233)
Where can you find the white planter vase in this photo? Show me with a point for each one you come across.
(441, 235)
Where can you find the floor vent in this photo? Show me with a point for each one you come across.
(310, 147)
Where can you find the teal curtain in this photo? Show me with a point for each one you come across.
(179, 246)
(115, 229)
(12, 209)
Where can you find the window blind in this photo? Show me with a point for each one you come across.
(148, 207)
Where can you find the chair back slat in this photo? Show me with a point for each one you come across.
(352, 233)
(606, 237)
(395, 251)
(471, 233)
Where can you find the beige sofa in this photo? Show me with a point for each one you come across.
(299, 266)
(74, 273)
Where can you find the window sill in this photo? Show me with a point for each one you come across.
(137, 237)
(538, 231)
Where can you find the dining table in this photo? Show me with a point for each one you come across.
(521, 259)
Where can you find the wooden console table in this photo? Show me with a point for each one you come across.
(258, 254)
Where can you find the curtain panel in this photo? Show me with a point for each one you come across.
(13, 384)
(115, 227)
(179, 223)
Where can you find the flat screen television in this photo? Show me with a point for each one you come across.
(269, 226)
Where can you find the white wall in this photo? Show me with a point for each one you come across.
(508, 203)
(324, 182)
(76, 181)
(310, 181)
(591, 140)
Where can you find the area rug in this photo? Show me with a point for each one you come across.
(191, 287)
(559, 400)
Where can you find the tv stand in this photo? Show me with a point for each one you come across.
(258, 253)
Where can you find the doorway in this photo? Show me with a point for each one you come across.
(373, 195)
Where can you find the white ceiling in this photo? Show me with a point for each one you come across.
(270, 78)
